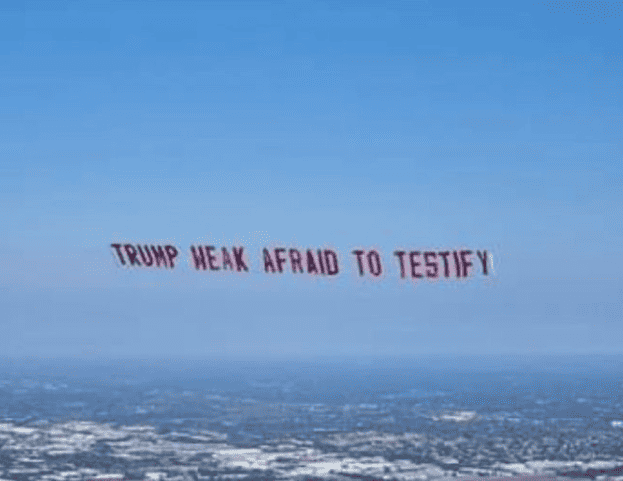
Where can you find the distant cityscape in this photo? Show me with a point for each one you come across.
(261, 429)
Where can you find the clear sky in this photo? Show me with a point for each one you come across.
(375, 125)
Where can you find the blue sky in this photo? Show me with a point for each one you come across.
(415, 125)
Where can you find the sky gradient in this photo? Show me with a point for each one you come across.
(415, 125)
